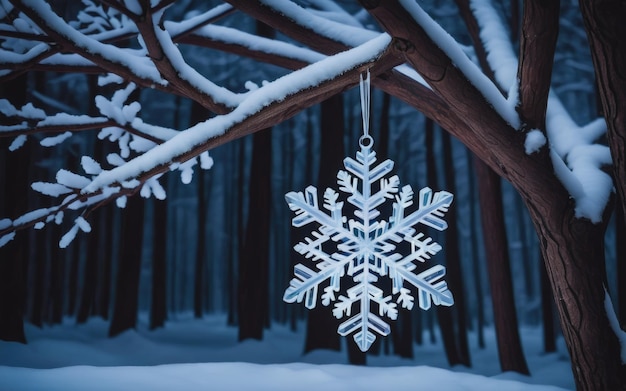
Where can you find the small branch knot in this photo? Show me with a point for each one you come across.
(403, 45)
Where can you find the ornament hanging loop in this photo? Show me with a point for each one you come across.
(366, 140)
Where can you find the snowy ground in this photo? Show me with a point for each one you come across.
(204, 355)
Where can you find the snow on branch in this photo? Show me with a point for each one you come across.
(455, 52)
(274, 92)
(141, 173)
(131, 64)
(577, 159)
(173, 67)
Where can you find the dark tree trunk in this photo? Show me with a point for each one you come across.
(321, 331)
(74, 258)
(198, 113)
(620, 250)
(233, 230)
(94, 243)
(90, 273)
(453, 258)
(478, 281)
(128, 268)
(158, 302)
(200, 261)
(529, 288)
(445, 316)
(253, 261)
(39, 279)
(510, 349)
(57, 277)
(103, 297)
(604, 23)
(14, 255)
(547, 312)
(569, 243)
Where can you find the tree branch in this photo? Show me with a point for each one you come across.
(170, 63)
(234, 126)
(540, 29)
(527, 173)
(606, 28)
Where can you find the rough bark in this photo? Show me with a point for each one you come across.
(620, 251)
(540, 29)
(604, 22)
(547, 312)
(573, 250)
(571, 246)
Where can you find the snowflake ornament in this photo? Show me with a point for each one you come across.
(366, 247)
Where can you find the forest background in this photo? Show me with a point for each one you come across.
(217, 242)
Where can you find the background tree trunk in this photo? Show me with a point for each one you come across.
(321, 330)
(604, 23)
(158, 302)
(453, 257)
(547, 304)
(444, 314)
(14, 255)
(253, 261)
(510, 349)
(128, 268)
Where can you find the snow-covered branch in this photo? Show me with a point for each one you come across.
(261, 108)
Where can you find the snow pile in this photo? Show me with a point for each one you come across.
(191, 354)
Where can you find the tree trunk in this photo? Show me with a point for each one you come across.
(620, 251)
(129, 268)
(39, 261)
(253, 261)
(103, 296)
(573, 249)
(444, 314)
(158, 304)
(200, 256)
(478, 281)
(606, 29)
(494, 235)
(90, 272)
(72, 292)
(547, 304)
(198, 113)
(57, 278)
(94, 242)
(321, 330)
(453, 258)
(13, 255)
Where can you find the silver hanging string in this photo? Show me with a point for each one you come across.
(365, 140)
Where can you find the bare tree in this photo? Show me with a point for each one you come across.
(562, 183)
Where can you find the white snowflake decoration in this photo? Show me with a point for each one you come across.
(366, 247)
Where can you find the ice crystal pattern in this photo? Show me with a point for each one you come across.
(364, 248)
